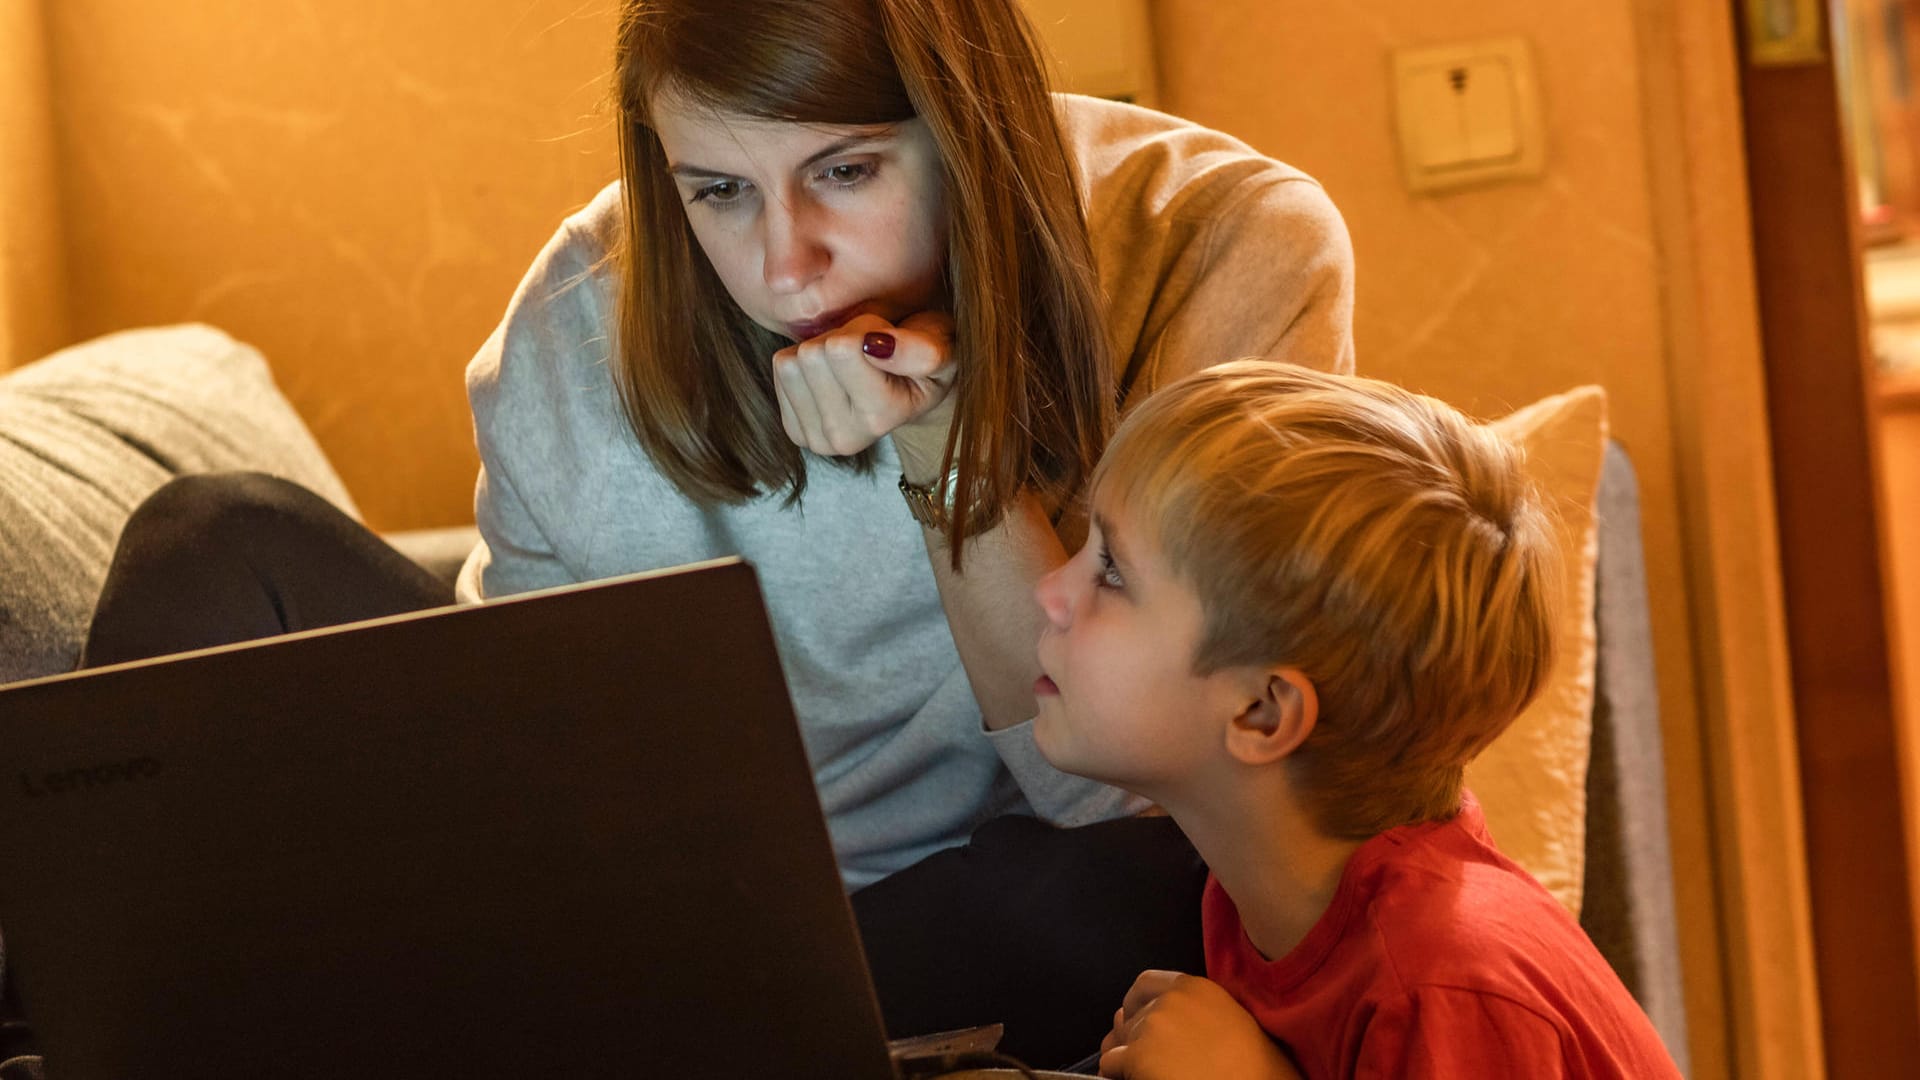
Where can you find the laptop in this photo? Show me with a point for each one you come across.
(572, 833)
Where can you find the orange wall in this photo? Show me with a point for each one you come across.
(353, 186)
(33, 317)
(1493, 297)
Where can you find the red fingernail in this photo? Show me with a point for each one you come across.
(877, 345)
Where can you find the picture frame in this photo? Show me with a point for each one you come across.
(1784, 33)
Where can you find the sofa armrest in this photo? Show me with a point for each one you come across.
(1629, 906)
(441, 551)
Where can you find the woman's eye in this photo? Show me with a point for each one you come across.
(847, 174)
(721, 192)
(1109, 573)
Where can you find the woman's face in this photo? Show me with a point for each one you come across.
(810, 225)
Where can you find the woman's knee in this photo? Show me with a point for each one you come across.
(187, 513)
(206, 560)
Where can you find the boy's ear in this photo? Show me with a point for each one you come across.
(1277, 719)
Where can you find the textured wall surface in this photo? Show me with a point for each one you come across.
(33, 313)
(353, 186)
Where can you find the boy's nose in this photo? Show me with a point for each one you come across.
(1052, 594)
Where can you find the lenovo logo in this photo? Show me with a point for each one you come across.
(89, 776)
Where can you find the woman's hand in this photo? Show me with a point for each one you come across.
(1172, 1026)
(839, 395)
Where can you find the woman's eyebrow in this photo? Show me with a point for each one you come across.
(841, 146)
(834, 148)
(698, 172)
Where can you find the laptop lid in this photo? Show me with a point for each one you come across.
(571, 834)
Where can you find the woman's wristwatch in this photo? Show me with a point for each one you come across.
(932, 506)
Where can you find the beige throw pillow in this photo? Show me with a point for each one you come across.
(89, 432)
(1532, 782)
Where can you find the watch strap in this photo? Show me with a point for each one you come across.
(931, 506)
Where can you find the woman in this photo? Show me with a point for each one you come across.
(861, 310)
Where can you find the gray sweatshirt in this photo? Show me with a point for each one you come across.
(1206, 252)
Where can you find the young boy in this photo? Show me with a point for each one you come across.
(1306, 601)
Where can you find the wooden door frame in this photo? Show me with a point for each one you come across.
(1806, 238)
(1753, 1010)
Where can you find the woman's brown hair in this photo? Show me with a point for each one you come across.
(1034, 399)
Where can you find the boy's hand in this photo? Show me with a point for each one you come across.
(1173, 1025)
(838, 394)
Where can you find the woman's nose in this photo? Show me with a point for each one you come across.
(1054, 596)
(794, 254)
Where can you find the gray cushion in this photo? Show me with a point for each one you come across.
(441, 551)
(89, 432)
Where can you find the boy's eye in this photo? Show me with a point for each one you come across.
(721, 192)
(1109, 573)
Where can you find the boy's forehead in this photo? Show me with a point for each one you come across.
(1115, 530)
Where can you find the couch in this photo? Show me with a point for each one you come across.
(87, 433)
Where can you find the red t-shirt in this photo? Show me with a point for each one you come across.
(1439, 957)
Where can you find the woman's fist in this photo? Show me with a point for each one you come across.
(839, 393)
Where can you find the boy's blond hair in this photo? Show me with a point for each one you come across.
(1387, 546)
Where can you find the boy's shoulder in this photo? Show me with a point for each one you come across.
(1428, 905)
(1472, 955)
(1438, 944)
(1446, 909)
(1400, 873)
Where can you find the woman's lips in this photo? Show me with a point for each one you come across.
(813, 328)
(1045, 687)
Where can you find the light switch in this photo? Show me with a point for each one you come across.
(1467, 114)
(1484, 91)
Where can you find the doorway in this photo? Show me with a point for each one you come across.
(1833, 148)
